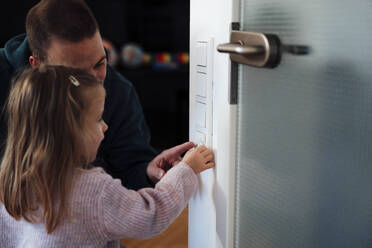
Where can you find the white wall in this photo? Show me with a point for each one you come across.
(211, 209)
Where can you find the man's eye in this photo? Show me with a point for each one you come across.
(100, 64)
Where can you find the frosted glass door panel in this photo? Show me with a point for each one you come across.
(304, 172)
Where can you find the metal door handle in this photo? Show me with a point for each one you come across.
(240, 48)
(255, 49)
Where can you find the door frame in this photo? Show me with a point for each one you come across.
(211, 210)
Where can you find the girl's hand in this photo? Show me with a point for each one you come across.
(199, 158)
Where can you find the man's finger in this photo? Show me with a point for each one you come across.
(178, 150)
(155, 173)
(176, 161)
(160, 173)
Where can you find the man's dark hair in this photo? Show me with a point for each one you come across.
(69, 20)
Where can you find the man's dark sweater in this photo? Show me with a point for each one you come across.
(125, 152)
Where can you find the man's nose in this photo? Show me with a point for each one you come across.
(105, 127)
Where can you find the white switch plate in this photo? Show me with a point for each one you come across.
(201, 92)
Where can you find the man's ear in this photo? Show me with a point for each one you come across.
(34, 61)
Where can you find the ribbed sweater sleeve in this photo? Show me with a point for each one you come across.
(149, 211)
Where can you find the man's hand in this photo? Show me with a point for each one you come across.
(166, 160)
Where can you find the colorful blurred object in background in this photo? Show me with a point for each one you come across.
(132, 55)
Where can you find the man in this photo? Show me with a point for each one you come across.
(66, 33)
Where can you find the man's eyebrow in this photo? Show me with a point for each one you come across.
(100, 61)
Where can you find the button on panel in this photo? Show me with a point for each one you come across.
(201, 112)
(201, 84)
(201, 54)
(200, 138)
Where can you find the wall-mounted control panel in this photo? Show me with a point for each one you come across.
(202, 93)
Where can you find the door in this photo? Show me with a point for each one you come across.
(304, 164)
(303, 169)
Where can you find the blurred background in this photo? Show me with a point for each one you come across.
(148, 43)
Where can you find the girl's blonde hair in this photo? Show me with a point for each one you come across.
(46, 109)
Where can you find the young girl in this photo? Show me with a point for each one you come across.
(50, 197)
